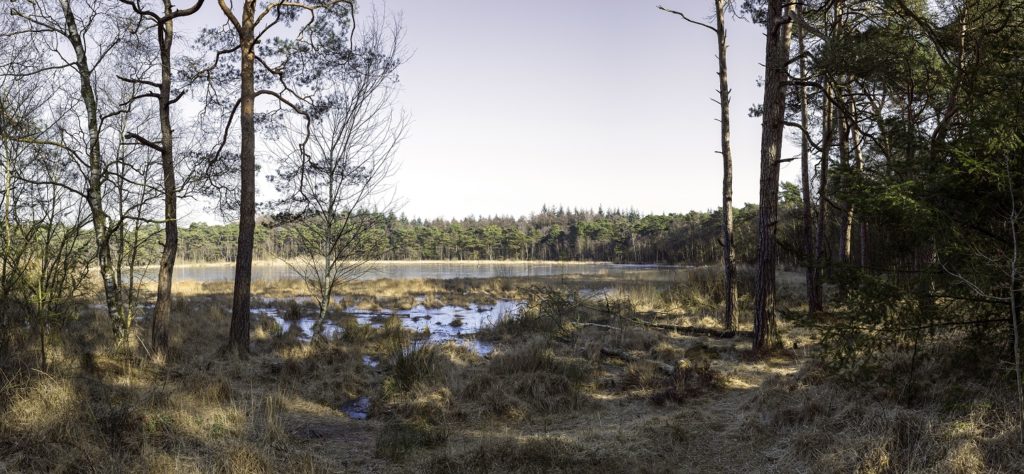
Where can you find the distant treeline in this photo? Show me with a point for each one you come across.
(552, 234)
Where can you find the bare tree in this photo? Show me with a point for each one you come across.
(163, 25)
(22, 101)
(131, 191)
(90, 32)
(728, 249)
(45, 253)
(49, 224)
(336, 186)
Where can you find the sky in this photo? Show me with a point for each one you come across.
(579, 103)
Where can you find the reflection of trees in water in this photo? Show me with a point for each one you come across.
(444, 270)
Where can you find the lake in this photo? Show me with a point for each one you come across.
(400, 270)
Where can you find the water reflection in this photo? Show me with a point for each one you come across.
(357, 409)
(447, 323)
(271, 271)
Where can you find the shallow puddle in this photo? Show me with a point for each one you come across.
(303, 325)
(447, 323)
(357, 409)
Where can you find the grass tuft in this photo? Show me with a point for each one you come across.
(532, 454)
(398, 438)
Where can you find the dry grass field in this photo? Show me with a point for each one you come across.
(575, 384)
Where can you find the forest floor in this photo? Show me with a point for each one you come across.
(574, 384)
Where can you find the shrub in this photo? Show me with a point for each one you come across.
(689, 380)
(530, 378)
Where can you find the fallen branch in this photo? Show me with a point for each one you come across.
(665, 368)
(697, 330)
(596, 325)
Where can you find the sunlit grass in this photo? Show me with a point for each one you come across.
(574, 384)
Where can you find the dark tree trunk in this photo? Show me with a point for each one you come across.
(5, 335)
(238, 337)
(162, 310)
(165, 39)
(805, 190)
(779, 34)
(728, 250)
(817, 303)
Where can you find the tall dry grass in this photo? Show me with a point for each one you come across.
(573, 385)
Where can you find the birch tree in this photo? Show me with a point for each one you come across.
(336, 185)
(80, 38)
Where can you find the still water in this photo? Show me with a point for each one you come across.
(454, 324)
(271, 271)
(447, 323)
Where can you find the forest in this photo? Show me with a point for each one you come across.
(559, 235)
(865, 318)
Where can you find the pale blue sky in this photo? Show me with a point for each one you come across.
(574, 102)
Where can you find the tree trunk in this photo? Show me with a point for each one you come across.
(817, 303)
(42, 347)
(322, 310)
(858, 163)
(1015, 306)
(120, 321)
(162, 310)
(238, 338)
(728, 250)
(1015, 313)
(325, 284)
(863, 228)
(5, 336)
(779, 34)
(805, 188)
(846, 226)
(845, 124)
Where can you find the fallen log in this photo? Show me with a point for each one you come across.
(696, 330)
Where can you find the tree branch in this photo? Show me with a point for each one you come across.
(140, 139)
(695, 22)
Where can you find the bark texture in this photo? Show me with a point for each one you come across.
(238, 335)
(807, 213)
(779, 35)
(728, 249)
(116, 310)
